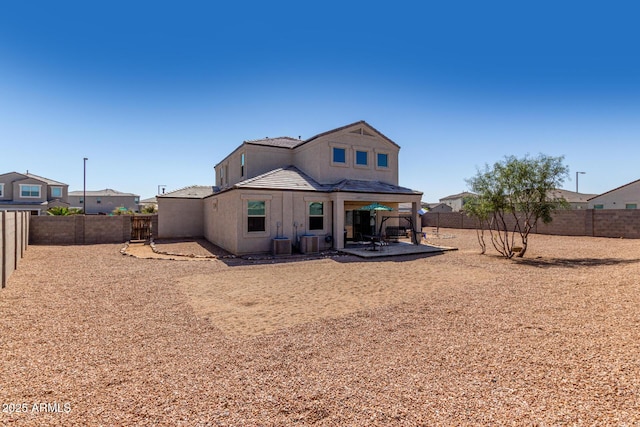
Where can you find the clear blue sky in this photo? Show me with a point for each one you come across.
(156, 93)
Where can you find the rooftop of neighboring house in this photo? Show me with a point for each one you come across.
(593, 196)
(38, 177)
(107, 192)
(572, 196)
(191, 192)
(458, 196)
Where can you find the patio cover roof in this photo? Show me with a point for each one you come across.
(293, 179)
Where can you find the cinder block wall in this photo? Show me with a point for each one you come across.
(14, 227)
(588, 222)
(81, 229)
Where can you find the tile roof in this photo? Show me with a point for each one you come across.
(47, 180)
(458, 196)
(281, 142)
(572, 196)
(191, 192)
(287, 178)
(292, 178)
(358, 186)
(107, 192)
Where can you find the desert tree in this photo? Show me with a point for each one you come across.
(513, 195)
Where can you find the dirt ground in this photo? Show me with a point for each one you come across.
(92, 337)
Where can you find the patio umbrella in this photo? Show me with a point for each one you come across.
(375, 207)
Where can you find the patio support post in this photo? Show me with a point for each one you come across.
(338, 224)
(417, 221)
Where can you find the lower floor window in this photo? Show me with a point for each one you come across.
(256, 215)
(316, 216)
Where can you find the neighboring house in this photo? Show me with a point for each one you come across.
(148, 203)
(575, 200)
(456, 201)
(438, 207)
(624, 197)
(31, 192)
(288, 188)
(104, 201)
(183, 211)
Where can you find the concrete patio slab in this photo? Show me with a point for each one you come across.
(393, 249)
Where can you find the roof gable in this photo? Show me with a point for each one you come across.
(361, 128)
(616, 189)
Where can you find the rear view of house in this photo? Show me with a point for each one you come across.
(286, 188)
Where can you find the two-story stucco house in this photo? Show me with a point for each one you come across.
(287, 188)
(29, 192)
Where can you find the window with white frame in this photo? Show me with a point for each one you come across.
(362, 158)
(30, 191)
(316, 216)
(339, 155)
(56, 191)
(382, 160)
(256, 215)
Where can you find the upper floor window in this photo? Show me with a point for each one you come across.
(598, 206)
(383, 160)
(631, 206)
(316, 216)
(29, 190)
(362, 158)
(339, 155)
(98, 200)
(1, 190)
(56, 191)
(256, 215)
(242, 164)
(136, 200)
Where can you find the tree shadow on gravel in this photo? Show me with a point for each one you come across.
(575, 262)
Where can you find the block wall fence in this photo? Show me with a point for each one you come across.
(14, 232)
(616, 223)
(81, 229)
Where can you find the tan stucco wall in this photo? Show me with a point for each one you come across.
(287, 215)
(180, 217)
(221, 220)
(258, 160)
(315, 158)
(619, 198)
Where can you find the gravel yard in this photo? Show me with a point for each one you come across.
(92, 337)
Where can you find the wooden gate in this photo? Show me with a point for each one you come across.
(141, 227)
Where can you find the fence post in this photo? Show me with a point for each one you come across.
(3, 243)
